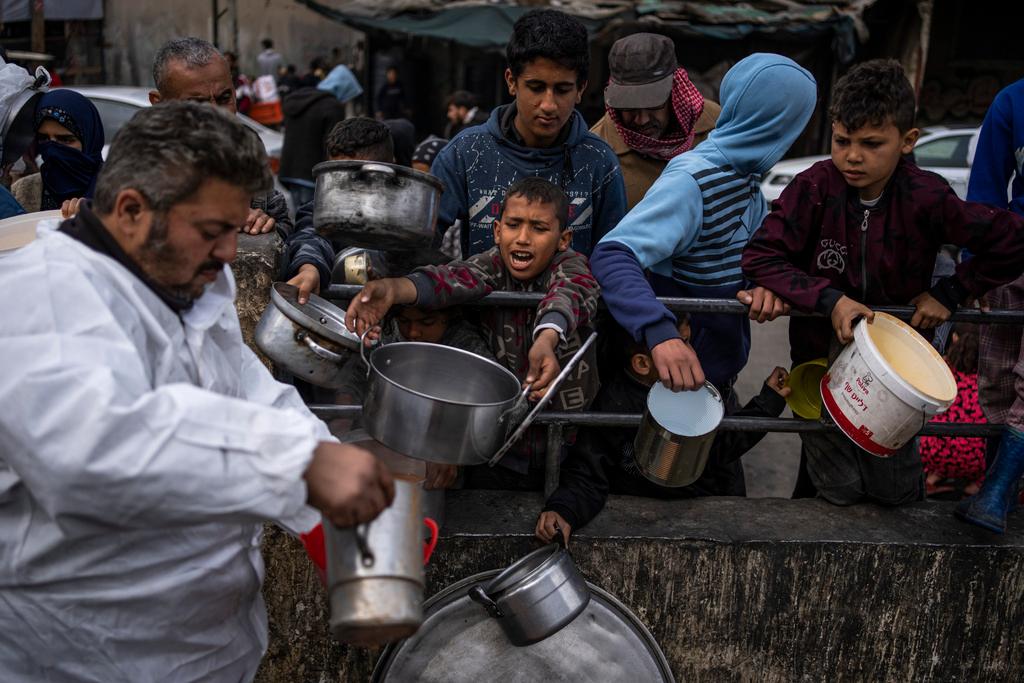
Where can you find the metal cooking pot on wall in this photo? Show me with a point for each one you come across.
(310, 340)
(536, 596)
(676, 432)
(383, 206)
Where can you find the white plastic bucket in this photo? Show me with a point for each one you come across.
(886, 385)
(17, 231)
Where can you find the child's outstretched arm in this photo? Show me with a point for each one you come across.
(375, 300)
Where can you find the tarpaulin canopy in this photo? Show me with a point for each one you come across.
(53, 10)
(488, 24)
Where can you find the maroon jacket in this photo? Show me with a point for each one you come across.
(819, 242)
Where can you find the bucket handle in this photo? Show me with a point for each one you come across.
(362, 346)
(326, 354)
(479, 595)
(429, 546)
(366, 556)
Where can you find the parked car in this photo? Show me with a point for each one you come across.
(947, 151)
(117, 104)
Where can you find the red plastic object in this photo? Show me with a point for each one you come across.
(429, 546)
(314, 543)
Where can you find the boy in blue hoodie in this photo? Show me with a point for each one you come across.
(690, 228)
(540, 134)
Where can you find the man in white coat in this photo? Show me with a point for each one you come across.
(142, 444)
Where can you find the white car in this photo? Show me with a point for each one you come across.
(947, 151)
(117, 104)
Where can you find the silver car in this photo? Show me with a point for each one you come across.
(947, 151)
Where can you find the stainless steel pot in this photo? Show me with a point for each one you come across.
(310, 340)
(376, 205)
(438, 403)
(676, 432)
(375, 572)
(536, 596)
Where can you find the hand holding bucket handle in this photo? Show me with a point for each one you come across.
(429, 546)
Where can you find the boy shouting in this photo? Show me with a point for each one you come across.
(862, 229)
(531, 254)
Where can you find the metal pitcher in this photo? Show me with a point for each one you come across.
(375, 572)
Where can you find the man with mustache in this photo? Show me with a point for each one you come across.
(142, 444)
(654, 112)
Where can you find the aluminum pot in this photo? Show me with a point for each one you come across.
(536, 596)
(676, 432)
(375, 571)
(382, 206)
(439, 403)
(310, 340)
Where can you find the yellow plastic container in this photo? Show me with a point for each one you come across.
(805, 388)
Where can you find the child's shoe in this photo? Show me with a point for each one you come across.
(988, 509)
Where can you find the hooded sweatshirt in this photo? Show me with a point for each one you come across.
(691, 226)
(479, 165)
(309, 115)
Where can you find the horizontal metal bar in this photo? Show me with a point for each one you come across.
(729, 424)
(691, 305)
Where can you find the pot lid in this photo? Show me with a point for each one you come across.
(686, 413)
(318, 316)
(459, 643)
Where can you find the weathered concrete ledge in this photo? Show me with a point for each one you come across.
(733, 589)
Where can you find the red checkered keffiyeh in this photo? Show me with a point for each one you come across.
(687, 104)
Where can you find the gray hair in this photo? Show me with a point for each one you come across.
(193, 52)
(166, 152)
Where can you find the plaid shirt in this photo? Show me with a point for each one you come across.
(1001, 361)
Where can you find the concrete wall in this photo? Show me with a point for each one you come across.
(134, 31)
(733, 589)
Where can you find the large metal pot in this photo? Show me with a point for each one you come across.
(375, 571)
(310, 340)
(438, 403)
(676, 432)
(376, 205)
(537, 596)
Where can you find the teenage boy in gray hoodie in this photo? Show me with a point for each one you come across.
(540, 134)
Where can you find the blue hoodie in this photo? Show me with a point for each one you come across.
(480, 164)
(691, 226)
(1000, 153)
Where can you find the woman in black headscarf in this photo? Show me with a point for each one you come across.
(69, 138)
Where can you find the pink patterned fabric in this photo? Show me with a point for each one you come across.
(957, 457)
(687, 105)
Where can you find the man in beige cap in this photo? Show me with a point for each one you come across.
(653, 113)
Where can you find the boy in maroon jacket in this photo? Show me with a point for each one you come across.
(862, 229)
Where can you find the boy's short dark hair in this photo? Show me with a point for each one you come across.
(872, 93)
(535, 189)
(550, 34)
(361, 138)
(462, 98)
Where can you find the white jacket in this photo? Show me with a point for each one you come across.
(139, 455)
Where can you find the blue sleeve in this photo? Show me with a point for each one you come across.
(305, 246)
(448, 168)
(629, 296)
(993, 158)
(665, 223)
(609, 202)
(9, 206)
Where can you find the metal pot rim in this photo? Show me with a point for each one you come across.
(355, 165)
(442, 349)
(507, 581)
(283, 297)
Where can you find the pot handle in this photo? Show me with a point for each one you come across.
(552, 390)
(362, 346)
(378, 168)
(477, 594)
(318, 350)
(366, 556)
(515, 406)
(429, 546)
(714, 392)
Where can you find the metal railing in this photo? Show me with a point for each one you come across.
(557, 421)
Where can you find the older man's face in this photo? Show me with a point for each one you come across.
(650, 122)
(199, 236)
(210, 83)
